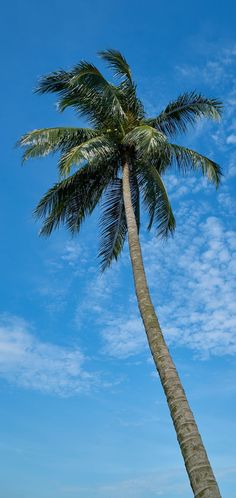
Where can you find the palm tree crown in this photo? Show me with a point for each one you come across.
(120, 131)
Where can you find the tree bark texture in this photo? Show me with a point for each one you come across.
(198, 467)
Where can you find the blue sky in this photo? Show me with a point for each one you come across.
(82, 411)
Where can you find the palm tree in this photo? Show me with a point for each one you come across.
(118, 161)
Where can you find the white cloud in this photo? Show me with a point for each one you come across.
(75, 255)
(199, 308)
(217, 70)
(124, 337)
(231, 139)
(157, 482)
(95, 302)
(231, 172)
(31, 363)
(171, 482)
(217, 73)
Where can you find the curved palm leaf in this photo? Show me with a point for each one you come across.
(147, 141)
(188, 159)
(48, 140)
(86, 103)
(155, 199)
(117, 62)
(71, 200)
(85, 89)
(95, 150)
(113, 220)
(185, 111)
(56, 82)
(113, 224)
(127, 88)
(88, 80)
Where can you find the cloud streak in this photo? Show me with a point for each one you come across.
(198, 309)
(31, 363)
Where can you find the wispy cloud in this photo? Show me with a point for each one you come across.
(169, 482)
(28, 362)
(193, 284)
(74, 254)
(217, 74)
(124, 336)
(215, 71)
(154, 483)
(197, 308)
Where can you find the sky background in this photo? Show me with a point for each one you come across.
(82, 410)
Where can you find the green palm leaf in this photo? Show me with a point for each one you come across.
(184, 111)
(113, 220)
(69, 201)
(155, 199)
(48, 140)
(56, 82)
(113, 224)
(127, 88)
(85, 89)
(147, 141)
(188, 159)
(88, 80)
(96, 150)
(117, 62)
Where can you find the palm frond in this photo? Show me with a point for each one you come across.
(48, 140)
(184, 111)
(113, 224)
(69, 201)
(85, 89)
(88, 80)
(37, 150)
(130, 102)
(148, 141)
(88, 104)
(155, 199)
(89, 75)
(113, 220)
(117, 62)
(55, 82)
(127, 88)
(95, 150)
(188, 159)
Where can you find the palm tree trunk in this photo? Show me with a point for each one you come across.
(195, 457)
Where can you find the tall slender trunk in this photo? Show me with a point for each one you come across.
(195, 457)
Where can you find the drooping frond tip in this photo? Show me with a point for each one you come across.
(113, 224)
(42, 142)
(117, 62)
(69, 201)
(155, 200)
(187, 159)
(54, 82)
(185, 111)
